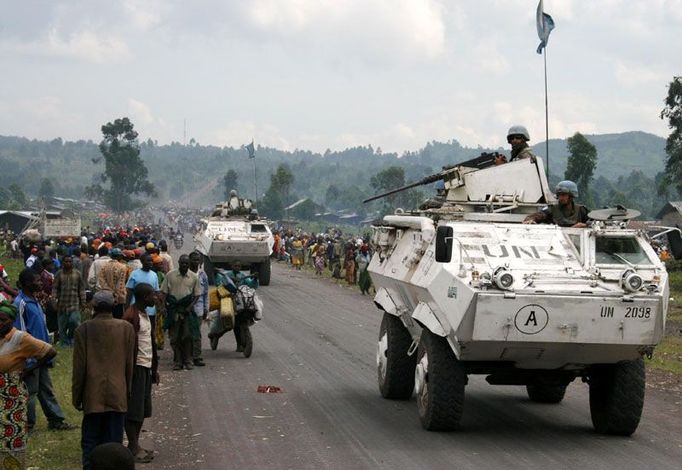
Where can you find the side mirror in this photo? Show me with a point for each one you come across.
(444, 242)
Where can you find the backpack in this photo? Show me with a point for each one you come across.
(248, 302)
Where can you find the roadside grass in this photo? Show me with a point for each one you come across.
(668, 355)
(57, 450)
(675, 308)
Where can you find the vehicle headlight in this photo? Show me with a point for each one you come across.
(503, 278)
(631, 281)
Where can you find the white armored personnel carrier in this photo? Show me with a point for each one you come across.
(466, 288)
(235, 234)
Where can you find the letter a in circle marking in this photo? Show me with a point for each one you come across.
(531, 318)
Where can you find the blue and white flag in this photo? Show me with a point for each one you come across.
(545, 25)
(251, 149)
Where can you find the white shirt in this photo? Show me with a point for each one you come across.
(144, 342)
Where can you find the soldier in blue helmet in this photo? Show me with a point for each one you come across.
(518, 137)
(566, 213)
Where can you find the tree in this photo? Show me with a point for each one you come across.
(19, 199)
(331, 197)
(281, 181)
(581, 164)
(389, 178)
(277, 196)
(124, 170)
(46, 190)
(229, 183)
(5, 198)
(673, 145)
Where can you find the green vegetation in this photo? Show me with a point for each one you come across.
(668, 355)
(673, 146)
(230, 182)
(581, 164)
(124, 170)
(57, 450)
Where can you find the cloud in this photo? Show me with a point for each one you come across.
(84, 45)
(140, 112)
(88, 46)
(144, 14)
(632, 74)
(412, 29)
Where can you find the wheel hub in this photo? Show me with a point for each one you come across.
(420, 373)
(382, 353)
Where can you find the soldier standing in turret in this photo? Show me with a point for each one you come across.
(564, 214)
(518, 137)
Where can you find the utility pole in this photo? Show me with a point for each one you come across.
(184, 132)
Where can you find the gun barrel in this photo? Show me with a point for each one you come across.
(483, 161)
(421, 182)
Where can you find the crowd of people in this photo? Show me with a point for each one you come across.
(111, 296)
(345, 257)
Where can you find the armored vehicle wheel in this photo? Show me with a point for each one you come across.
(440, 381)
(617, 396)
(264, 270)
(247, 340)
(208, 269)
(395, 369)
(546, 393)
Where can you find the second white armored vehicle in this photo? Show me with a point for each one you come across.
(466, 288)
(234, 234)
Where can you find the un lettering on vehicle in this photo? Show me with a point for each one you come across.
(642, 312)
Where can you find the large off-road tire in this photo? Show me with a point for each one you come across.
(264, 270)
(617, 396)
(440, 388)
(395, 369)
(209, 270)
(546, 393)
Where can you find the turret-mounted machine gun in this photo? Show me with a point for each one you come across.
(480, 189)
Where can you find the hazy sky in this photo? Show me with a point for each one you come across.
(318, 74)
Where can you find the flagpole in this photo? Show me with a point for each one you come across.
(544, 55)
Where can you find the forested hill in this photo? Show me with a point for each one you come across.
(618, 154)
(182, 171)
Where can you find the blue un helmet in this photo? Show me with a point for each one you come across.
(567, 187)
(518, 130)
(440, 186)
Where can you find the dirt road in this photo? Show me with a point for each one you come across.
(317, 343)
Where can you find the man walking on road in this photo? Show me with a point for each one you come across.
(103, 358)
(144, 373)
(200, 307)
(68, 291)
(181, 289)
